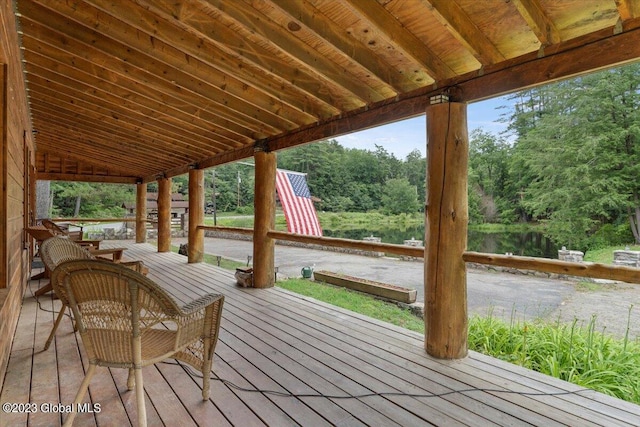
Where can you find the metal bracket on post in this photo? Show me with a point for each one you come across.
(261, 145)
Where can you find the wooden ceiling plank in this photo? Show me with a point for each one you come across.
(110, 179)
(133, 46)
(86, 147)
(193, 34)
(291, 85)
(100, 169)
(398, 36)
(78, 104)
(113, 165)
(196, 75)
(129, 77)
(111, 99)
(98, 141)
(109, 120)
(458, 23)
(100, 109)
(142, 148)
(303, 15)
(291, 47)
(538, 21)
(129, 65)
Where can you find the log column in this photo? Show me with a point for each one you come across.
(445, 277)
(264, 219)
(196, 215)
(141, 213)
(164, 214)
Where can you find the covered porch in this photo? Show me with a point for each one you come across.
(140, 92)
(274, 340)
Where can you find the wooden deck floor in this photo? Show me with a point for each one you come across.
(274, 340)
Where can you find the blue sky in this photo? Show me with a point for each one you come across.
(400, 138)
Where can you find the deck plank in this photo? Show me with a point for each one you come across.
(272, 339)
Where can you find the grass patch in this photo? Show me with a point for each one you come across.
(356, 302)
(588, 286)
(605, 255)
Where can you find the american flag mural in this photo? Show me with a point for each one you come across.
(296, 203)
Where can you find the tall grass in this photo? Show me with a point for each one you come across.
(574, 353)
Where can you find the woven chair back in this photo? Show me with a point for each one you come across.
(56, 250)
(114, 306)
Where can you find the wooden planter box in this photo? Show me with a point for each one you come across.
(392, 292)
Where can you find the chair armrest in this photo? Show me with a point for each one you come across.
(136, 266)
(116, 253)
(200, 303)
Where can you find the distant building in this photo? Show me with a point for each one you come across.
(179, 206)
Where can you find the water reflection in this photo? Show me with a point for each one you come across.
(524, 244)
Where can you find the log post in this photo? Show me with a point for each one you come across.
(445, 277)
(196, 215)
(164, 214)
(264, 219)
(141, 213)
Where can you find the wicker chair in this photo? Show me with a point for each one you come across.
(76, 236)
(57, 250)
(127, 321)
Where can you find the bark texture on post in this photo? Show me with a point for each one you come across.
(164, 214)
(446, 231)
(196, 215)
(141, 213)
(265, 219)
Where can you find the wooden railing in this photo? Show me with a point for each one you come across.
(93, 220)
(593, 270)
(238, 230)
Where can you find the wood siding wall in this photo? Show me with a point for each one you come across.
(16, 156)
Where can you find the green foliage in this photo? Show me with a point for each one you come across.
(399, 196)
(573, 353)
(90, 200)
(577, 155)
(353, 180)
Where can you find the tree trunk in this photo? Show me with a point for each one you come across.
(76, 213)
(634, 220)
(43, 199)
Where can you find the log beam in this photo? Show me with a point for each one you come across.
(445, 277)
(164, 214)
(265, 219)
(196, 215)
(141, 213)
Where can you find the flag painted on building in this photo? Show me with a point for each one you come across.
(296, 203)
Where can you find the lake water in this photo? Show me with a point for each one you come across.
(524, 244)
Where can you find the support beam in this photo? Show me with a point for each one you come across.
(196, 215)
(141, 213)
(265, 219)
(445, 277)
(164, 214)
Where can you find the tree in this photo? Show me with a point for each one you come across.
(415, 170)
(399, 196)
(579, 155)
(489, 173)
(90, 200)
